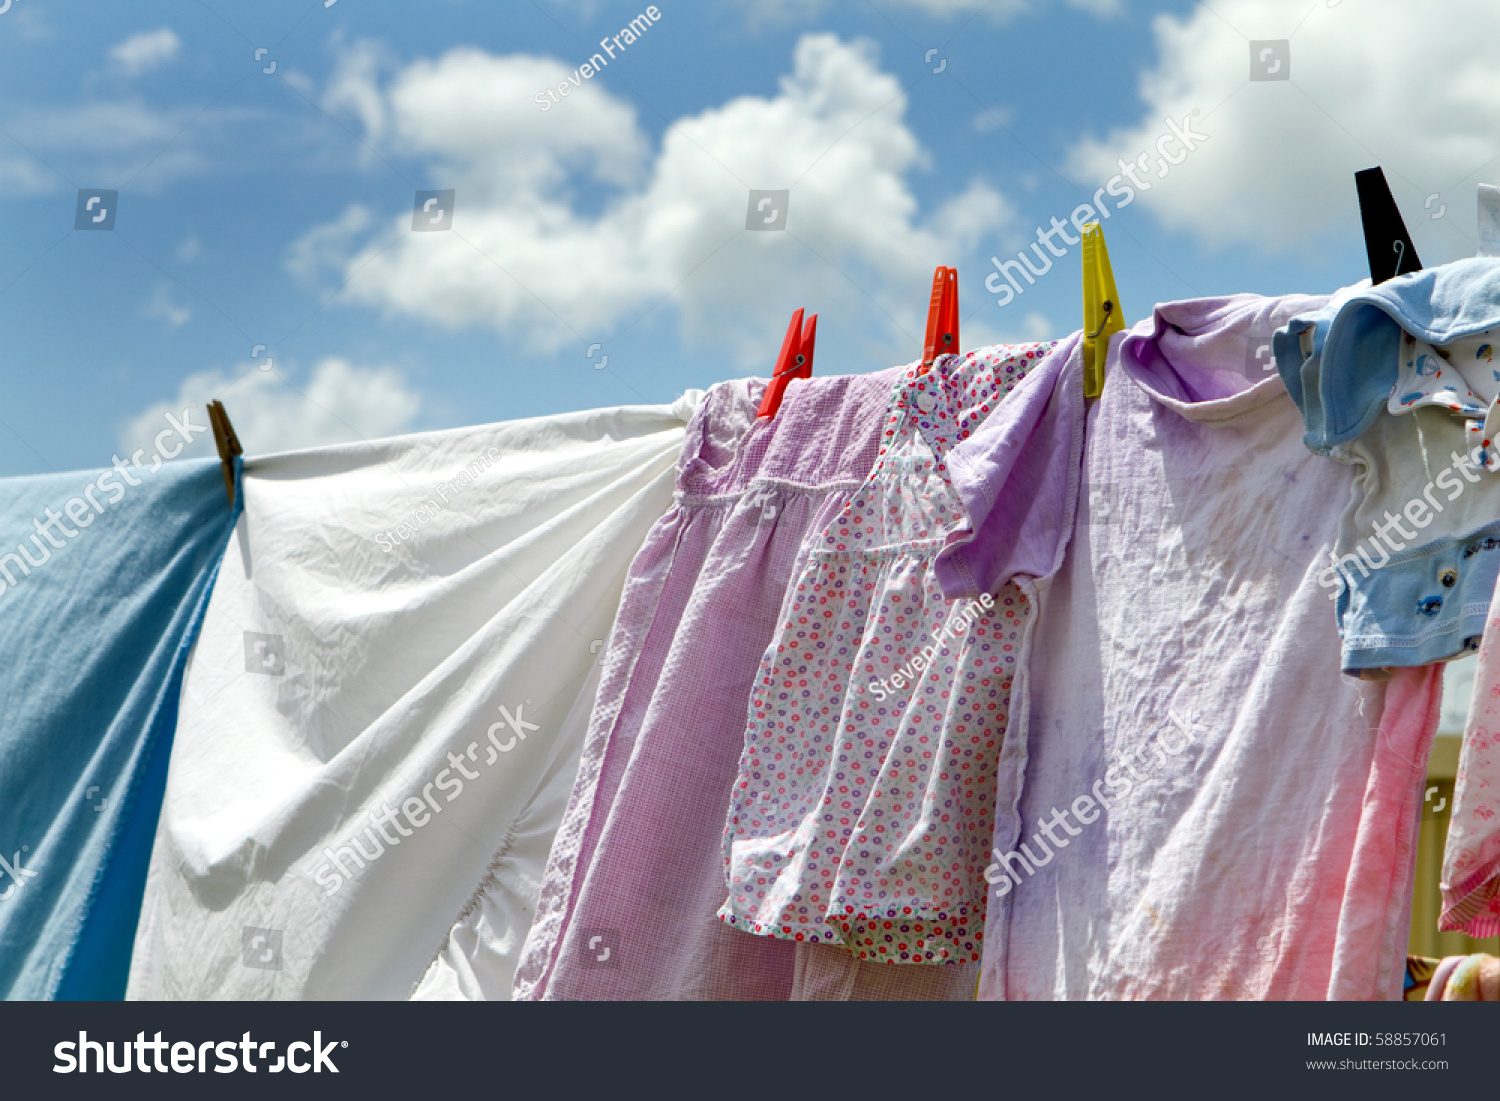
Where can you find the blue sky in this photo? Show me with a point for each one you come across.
(275, 208)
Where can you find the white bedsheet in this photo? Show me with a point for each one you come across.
(393, 620)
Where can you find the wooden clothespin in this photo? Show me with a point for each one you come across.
(227, 443)
(795, 361)
(1387, 243)
(1102, 317)
(942, 317)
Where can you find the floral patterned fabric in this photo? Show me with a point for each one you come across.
(1460, 377)
(864, 804)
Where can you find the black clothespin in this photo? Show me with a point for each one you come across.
(1387, 243)
(227, 443)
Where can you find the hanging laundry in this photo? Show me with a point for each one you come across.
(863, 809)
(1398, 382)
(636, 876)
(103, 581)
(1471, 855)
(377, 710)
(1207, 809)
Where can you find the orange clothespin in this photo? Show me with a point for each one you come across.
(942, 317)
(795, 361)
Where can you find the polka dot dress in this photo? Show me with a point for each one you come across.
(864, 805)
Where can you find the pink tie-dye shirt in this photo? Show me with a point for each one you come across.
(1471, 861)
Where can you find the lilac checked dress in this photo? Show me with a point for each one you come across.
(627, 906)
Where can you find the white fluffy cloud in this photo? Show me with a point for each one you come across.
(116, 140)
(1378, 82)
(327, 246)
(140, 53)
(340, 403)
(523, 257)
(164, 307)
(352, 88)
(104, 127)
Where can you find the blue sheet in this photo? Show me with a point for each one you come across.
(95, 630)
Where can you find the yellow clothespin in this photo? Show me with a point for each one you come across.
(1101, 309)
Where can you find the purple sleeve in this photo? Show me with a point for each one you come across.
(1018, 479)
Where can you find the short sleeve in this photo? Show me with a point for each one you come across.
(1018, 479)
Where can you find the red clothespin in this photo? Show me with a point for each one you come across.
(942, 317)
(795, 361)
